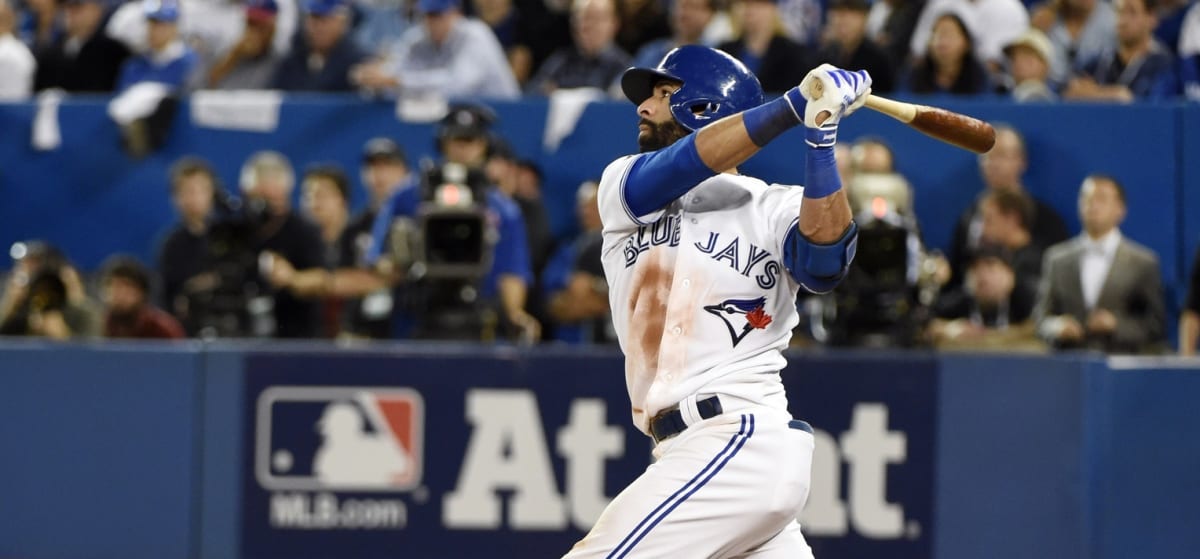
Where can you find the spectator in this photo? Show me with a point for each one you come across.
(689, 20)
(1002, 169)
(872, 155)
(846, 44)
(1080, 30)
(184, 257)
(577, 292)
(1137, 67)
(462, 138)
(1005, 216)
(84, 59)
(326, 201)
(638, 22)
(40, 24)
(1029, 61)
(950, 64)
(448, 55)
(45, 297)
(128, 312)
(1100, 290)
(513, 29)
(379, 23)
(802, 20)
(251, 62)
(780, 63)
(17, 64)
(992, 311)
(267, 180)
(322, 59)
(890, 24)
(169, 61)
(1189, 319)
(503, 169)
(993, 24)
(593, 61)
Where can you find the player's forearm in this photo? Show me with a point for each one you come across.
(1189, 332)
(824, 220)
(725, 144)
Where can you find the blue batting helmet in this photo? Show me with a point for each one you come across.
(715, 85)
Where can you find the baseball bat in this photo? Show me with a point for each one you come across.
(950, 127)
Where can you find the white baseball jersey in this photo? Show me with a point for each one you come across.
(701, 300)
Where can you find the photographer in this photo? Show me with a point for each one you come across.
(457, 243)
(44, 296)
(366, 296)
(128, 312)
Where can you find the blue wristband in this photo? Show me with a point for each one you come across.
(767, 121)
(820, 173)
(821, 137)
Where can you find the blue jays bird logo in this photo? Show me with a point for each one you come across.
(741, 316)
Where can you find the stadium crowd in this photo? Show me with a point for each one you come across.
(1014, 277)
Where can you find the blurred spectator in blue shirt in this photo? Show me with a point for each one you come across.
(779, 62)
(251, 62)
(593, 61)
(845, 44)
(1137, 67)
(83, 59)
(379, 24)
(322, 59)
(40, 23)
(1079, 30)
(16, 62)
(448, 55)
(689, 20)
(169, 61)
(576, 289)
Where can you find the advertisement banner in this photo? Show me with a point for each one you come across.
(421, 456)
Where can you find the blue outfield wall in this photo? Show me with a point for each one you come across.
(243, 451)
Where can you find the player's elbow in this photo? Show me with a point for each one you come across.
(819, 267)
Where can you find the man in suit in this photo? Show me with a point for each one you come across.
(1100, 290)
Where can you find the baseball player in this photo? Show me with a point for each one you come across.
(703, 266)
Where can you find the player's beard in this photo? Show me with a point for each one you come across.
(660, 135)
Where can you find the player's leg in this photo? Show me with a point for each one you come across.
(787, 544)
(721, 488)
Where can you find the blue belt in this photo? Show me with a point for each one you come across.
(669, 422)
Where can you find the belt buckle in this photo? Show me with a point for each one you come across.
(654, 421)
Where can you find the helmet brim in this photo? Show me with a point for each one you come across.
(638, 83)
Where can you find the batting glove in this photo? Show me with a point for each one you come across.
(834, 91)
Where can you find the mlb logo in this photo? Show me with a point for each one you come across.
(340, 438)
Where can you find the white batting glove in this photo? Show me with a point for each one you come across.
(836, 92)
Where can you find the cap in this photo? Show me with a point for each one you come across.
(1034, 40)
(856, 5)
(379, 149)
(324, 7)
(261, 10)
(161, 10)
(466, 121)
(436, 6)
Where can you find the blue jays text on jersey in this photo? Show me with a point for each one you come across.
(727, 248)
